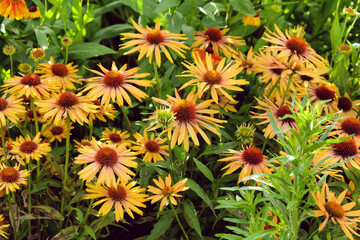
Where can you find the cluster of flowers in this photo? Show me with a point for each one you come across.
(17, 9)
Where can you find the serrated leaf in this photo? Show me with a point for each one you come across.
(191, 216)
(89, 50)
(204, 169)
(90, 231)
(161, 227)
(200, 192)
(166, 4)
(243, 6)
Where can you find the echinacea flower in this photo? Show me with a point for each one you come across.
(152, 147)
(66, 104)
(292, 43)
(63, 76)
(248, 62)
(11, 178)
(101, 112)
(14, 9)
(349, 107)
(121, 194)
(30, 148)
(202, 54)
(29, 85)
(350, 126)
(149, 41)
(251, 159)
(252, 20)
(115, 136)
(10, 108)
(278, 111)
(323, 92)
(165, 191)
(3, 227)
(214, 79)
(108, 159)
(188, 116)
(115, 83)
(33, 13)
(331, 208)
(56, 132)
(9, 155)
(214, 37)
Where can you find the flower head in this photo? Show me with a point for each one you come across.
(165, 191)
(25, 67)
(149, 41)
(115, 136)
(8, 49)
(11, 178)
(252, 20)
(102, 111)
(56, 132)
(121, 194)
(37, 53)
(152, 147)
(3, 227)
(10, 108)
(33, 12)
(14, 9)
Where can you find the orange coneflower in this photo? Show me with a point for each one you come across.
(29, 85)
(188, 117)
(291, 44)
(252, 20)
(11, 178)
(9, 155)
(250, 158)
(218, 41)
(150, 41)
(164, 190)
(109, 159)
(60, 74)
(115, 137)
(350, 126)
(248, 62)
(14, 9)
(113, 84)
(102, 111)
(318, 93)
(331, 208)
(10, 108)
(215, 79)
(278, 111)
(3, 227)
(34, 12)
(56, 132)
(349, 107)
(152, 147)
(202, 54)
(66, 104)
(30, 148)
(121, 194)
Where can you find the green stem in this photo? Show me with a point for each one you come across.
(29, 198)
(36, 63)
(66, 54)
(158, 82)
(67, 152)
(35, 115)
(45, 13)
(91, 131)
(274, 86)
(4, 145)
(11, 66)
(178, 220)
(127, 120)
(343, 30)
(86, 216)
(100, 223)
(264, 144)
(12, 216)
(287, 90)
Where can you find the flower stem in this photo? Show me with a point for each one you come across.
(29, 198)
(91, 131)
(178, 220)
(287, 89)
(66, 54)
(157, 79)
(11, 66)
(127, 120)
(35, 115)
(86, 216)
(67, 152)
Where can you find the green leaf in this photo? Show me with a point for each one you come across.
(200, 192)
(258, 235)
(67, 233)
(111, 31)
(243, 6)
(41, 38)
(191, 216)
(189, 32)
(204, 169)
(335, 32)
(89, 50)
(107, 8)
(40, 5)
(166, 4)
(90, 231)
(50, 212)
(161, 227)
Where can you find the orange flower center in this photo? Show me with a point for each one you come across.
(155, 37)
(96, 102)
(351, 126)
(56, 130)
(59, 69)
(209, 50)
(115, 138)
(346, 149)
(30, 79)
(282, 111)
(305, 77)
(67, 99)
(3, 104)
(30, 114)
(247, 64)
(345, 104)
(274, 69)
(212, 77)
(113, 79)
(152, 146)
(28, 147)
(117, 194)
(167, 191)
(184, 110)
(253, 155)
(9, 174)
(32, 9)
(334, 209)
(325, 92)
(106, 156)
(38, 53)
(297, 45)
(214, 34)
